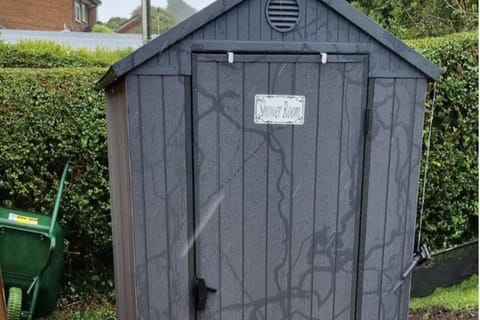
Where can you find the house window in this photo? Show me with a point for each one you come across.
(78, 11)
(84, 13)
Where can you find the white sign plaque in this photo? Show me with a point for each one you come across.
(279, 109)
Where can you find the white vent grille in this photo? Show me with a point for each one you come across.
(283, 15)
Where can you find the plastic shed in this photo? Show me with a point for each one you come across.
(264, 162)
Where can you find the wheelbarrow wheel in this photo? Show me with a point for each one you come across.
(14, 304)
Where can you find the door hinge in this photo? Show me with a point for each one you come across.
(368, 121)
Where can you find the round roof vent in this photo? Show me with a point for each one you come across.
(283, 15)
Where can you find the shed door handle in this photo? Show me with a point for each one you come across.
(200, 292)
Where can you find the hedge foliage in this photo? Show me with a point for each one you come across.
(46, 54)
(51, 115)
(451, 202)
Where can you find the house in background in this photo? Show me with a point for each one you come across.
(51, 15)
(132, 25)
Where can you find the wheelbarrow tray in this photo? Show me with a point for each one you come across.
(25, 245)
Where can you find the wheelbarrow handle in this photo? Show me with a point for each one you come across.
(51, 252)
(58, 199)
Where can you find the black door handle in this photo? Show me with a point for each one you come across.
(200, 291)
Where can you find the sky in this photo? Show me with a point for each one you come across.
(124, 8)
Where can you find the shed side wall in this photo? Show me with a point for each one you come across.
(390, 195)
(158, 140)
(120, 195)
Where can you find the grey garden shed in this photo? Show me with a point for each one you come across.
(270, 151)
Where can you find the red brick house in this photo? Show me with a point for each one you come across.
(52, 15)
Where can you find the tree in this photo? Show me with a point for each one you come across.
(115, 22)
(420, 18)
(180, 9)
(161, 20)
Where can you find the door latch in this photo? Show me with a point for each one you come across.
(324, 57)
(231, 57)
(420, 257)
(200, 292)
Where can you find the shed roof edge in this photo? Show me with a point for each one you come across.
(166, 40)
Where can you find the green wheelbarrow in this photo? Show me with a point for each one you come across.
(31, 259)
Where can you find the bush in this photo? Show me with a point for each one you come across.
(45, 54)
(49, 116)
(101, 28)
(451, 202)
(420, 18)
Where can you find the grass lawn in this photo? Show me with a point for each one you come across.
(100, 310)
(461, 297)
(459, 302)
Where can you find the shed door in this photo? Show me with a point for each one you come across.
(277, 206)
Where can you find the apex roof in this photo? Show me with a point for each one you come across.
(220, 7)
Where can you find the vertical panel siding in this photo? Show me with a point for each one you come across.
(376, 193)
(415, 161)
(209, 31)
(254, 18)
(174, 90)
(398, 175)
(311, 20)
(327, 172)
(159, 189)
(302, 241)
(255, 193)
(390, 212)
(208, 195)
(243, 26)
(332, 26)
(349, 201)
(321, 23)
(279, 200)
(231, 180)
(353, 34)
(155, 197)
(136, 154)
(232, 20)
(344, 31)
(297, 34)
(221, 28)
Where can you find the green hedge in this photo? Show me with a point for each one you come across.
(45, 54)
(451, 203)
(49, 116)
